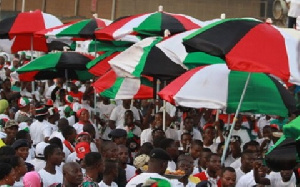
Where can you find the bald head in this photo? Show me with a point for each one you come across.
(72, 174)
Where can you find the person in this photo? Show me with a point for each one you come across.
(32, 179)
(130, 126)
(8, 94)
(10, 129)
(61, 124)
(185, 163)
(119, 136)
(170, 146)
(95, 143)
(77, 95)
(293, 13)
(84, 119)
(284, 178)
(50, 174)
(209, 136)
(24, 134)
(23, 114)
(7, 175)
(21, 147)
(117, 116)
(234, 151)
(195, 151)
(123, 158)
(203, 160)
(109, 174)
(40, 130)
(247, 159)
(72, 173)
(186, 139)
(157, 166)
(81, 149)
(39, 160)
(93, 165)
(212, 171)
(238, 131)
(228, 177)
(188, 126)
(69, 135)
(53, 117)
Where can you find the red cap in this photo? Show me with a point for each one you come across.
(82, 148)
(49, 102)
(82, 133)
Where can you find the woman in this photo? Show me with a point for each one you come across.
(32, 179)
(84, 119)
(7, 175)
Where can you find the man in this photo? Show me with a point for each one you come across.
(117, 116)
(157, 166)
(123, 158)
(170, 146)
(39, 160)
(109, 174)
(228, 178)
(186, 139)
(105, 107)
(188, 126)
(119, 136)
(211, 173)
(209, 136)
(72, 174)
(23, 114)
(247, 160)
(234, 150)
(94, 166)
(185, 163)
(284, 178)
(130, 126)
(10, 129)
(238, 131)
(53, 117)
(196, 149)
(203, 160)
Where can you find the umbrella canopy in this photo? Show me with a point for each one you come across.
(113, 87)
(22, 27)
(216, 87)
(71, 65)
(149, 24)
(84, 29)
(144, 58)
(249, 45)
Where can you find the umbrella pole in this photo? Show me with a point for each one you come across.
(31, 52)
(234, 120)
(156, 96)
(164, 111)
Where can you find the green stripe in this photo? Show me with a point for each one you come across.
(140, 66)
(292, 129)
(97, 60)
(112, 91)
(74, 29)
(146, 82)
(207, 27)
(150, 24)
(47, 62)
(196, 59)
(84, 75)
(109, 46)
(261, 94)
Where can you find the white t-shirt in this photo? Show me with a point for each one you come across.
(236, 164)
(102, 184)
(239, 173)
(243, 134)
(262, 122)
(49, 179)
(246, 180)
(105, 110)
(276, 180)
(141, 178)
(294, 10)
(118, 114)
(72, 157)
(39, 131)
(38, 164)
(130, 172)
(146, 136)
(79, 128)
(57, 135)
(213, 147)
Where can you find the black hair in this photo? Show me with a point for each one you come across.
(89, 128)
(186, 133)
(157, 129)
(106, 146)
(196, 142)
(156, 141)
(56, 141)
(166, 143)
(91, 159)
(22, 134)
(109, 167)
(7, 151)
(230, 169)
(213, 154)
(12, 160)
(5, 170)
(67, 131)
(49, 150)
(128, 111)
(250, 143)
(146, 148)
(207, 150)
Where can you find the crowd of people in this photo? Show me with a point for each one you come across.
(55, 134)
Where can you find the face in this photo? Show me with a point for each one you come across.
(247, 161)
(84, 116)
(128, 118)
(196, 151)
(73, 136)
(126, 103)
(286, 175)
(186, 165)
(22, 168)
(214, 163)
(186, 140)
(74, 175)
(84, 138)
(209, 134)
(173, 150)
(11, 178)
(120, 140)
(57, 157)
(189, 124)
(11, 132)
(22, 152)
(158, 121)
(123, 155)
(267, 132)
(112, 152)
(228, 179)
(235, 147)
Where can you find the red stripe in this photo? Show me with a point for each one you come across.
(43, 32)
(105, 82)
(22, 43)
(103, 66)
(28, 76)
(262, 49)
(145, 92)
(107, 32)
(100, 23)
(24, 23)
(187, 23)
(171, 89)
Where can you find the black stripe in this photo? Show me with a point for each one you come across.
(171, 23)
(5, 26)
(158, 65)
(89, 29)
(287, 98)
(220, 39)
(72, 60)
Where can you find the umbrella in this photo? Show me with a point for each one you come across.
(71, 65)
(144, 58)
(149, 24)
(113, 87)
(216, 87)
(249, 45)
(22, 27)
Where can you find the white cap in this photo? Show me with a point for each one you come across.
(39, 149)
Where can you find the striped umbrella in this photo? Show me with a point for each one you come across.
(216, 87)
(249, 45)
(111, 86)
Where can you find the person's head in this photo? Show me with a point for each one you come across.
(239, 122)
(158, 162)
(73, 87)
(24, 104)
(235, 146)
(4, 106)
(31, 179)
(186, 164)
(267, 132)
(81, 149)
(126, 103)
(110, 169)
(40, 112)
(228, 178)
(39, 150)
(7, 151)
(23, 134)
(83, 115)
(247, 159)
(196, 148)
(53, 115)
(158, 133)
(109, 151)
(84, 137)
(21, 147)
(186, 139)
(53, 155)
(11, 129)
(6, 85)
(214, 163)
(128, 118)
(56, 141)
(7, 174)
(209, 133)
(93, 161)
(69, 133)
(62, 123)
(188, 124)
(122, 154)
(72, 174)
(146, 148)
(286, 175)
(158, 120)
(17, 163)
(170, 146)
(252, 146)
(89, 128)
(119, 136)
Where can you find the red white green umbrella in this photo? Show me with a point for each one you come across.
(249, 45)
(111, 86)
(217, 87)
